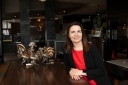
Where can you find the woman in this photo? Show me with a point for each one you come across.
(82, 59)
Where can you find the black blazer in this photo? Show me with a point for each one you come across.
(94, 64)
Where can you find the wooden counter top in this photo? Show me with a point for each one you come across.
(49, 74)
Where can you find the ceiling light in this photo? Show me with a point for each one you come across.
(42, 0)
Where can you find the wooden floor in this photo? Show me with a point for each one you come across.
(49, 74)
(3, 69)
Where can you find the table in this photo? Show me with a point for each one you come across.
(118, 68)
(49, 74)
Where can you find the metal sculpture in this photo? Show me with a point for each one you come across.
(30, 57)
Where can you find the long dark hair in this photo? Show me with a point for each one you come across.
(69, 45)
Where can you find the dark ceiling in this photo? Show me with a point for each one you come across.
(63, 7)
(117, 10)
(114, 9)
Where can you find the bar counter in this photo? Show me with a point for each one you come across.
(48, 74)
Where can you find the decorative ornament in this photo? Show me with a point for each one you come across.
(31, 58)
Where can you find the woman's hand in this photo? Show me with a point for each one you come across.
(76, 73)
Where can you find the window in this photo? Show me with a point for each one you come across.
(6, 25)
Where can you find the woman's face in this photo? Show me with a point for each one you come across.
(75, 33)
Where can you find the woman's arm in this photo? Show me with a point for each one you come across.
(66, 62)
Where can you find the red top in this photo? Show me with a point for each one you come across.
(78, 58)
